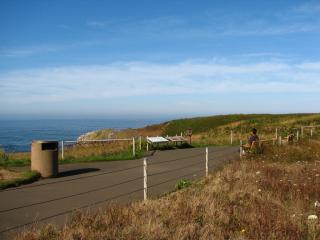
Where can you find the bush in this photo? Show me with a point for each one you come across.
(183, 183)
(3, 158)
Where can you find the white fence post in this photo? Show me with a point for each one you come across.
(240, 148)
(311, 132)
(140, 143)
(280, 140)
(231, 137)
(133, 147)
(147, 145)
(297, 135)
(145, 186)
(276, 133)
(207, 161)
(301, 132)
(62, 150)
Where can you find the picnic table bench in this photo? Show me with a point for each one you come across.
(255, 147)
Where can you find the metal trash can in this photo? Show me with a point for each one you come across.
(44, 157)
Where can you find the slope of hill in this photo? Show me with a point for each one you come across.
(215, 130)
(241, 121)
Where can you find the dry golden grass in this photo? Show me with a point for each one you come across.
(19, 155)
(82, 150)
(262, 197)
(6, 174)
(152, 130)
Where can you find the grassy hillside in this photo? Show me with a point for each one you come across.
(200, 125)
(239, 122)
(269, 196)
(216, 130)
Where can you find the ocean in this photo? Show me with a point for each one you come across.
(16, 135)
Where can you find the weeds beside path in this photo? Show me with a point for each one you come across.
(15, 179)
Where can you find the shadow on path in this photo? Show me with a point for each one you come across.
(77, 172)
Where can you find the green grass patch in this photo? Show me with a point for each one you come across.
(183, 183)
(26, 177)
(16, 163)
(119, 156)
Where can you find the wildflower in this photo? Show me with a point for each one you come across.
(243, 231)
(259, 190)
(312, 217)
(317, 204)
(258, 172)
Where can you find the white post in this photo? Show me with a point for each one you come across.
(133, 147)
(276, 133)
(298, 135)
(140, 143)
(62, 150)
(231, 137)
(145, 186)
(147, 145)
(207, 161)
(240, 148)
(181, 134)
(301, 132)
(280, 141)
(311, 132)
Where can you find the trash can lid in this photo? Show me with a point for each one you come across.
(44, 141)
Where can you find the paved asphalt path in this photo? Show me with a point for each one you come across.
(91, 185)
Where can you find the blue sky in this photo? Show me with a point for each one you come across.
(158, 58)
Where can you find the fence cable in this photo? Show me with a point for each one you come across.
(172, 170)
(174, 160)
(69, 180)
(102, 188)
(69, 211)
(172, 179)
(72, 195)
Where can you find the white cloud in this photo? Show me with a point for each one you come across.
(97, 24)
(308, 8)
(151, 79)
(27, 51)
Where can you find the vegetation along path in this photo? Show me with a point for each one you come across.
(93, 184)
